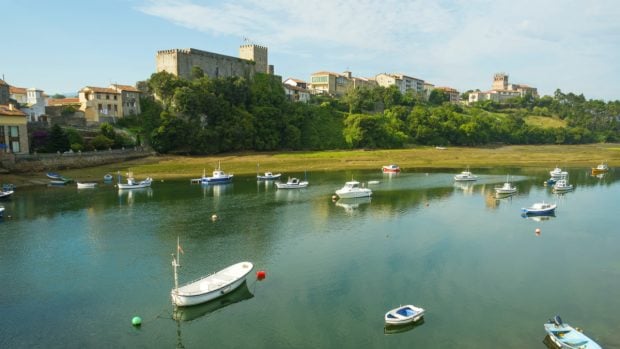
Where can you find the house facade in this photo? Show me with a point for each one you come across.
(336, 84)
(107, 104)
(296, 94)
(502, 90)
(403, 82)
(453, 93)
(130, 97)
(13, 130)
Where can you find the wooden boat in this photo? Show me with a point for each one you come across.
(568, 337)
(390, 169)
(539, 208)
(86, 185)
(465, 176)
(133, 184)
(404, 314)
(242, 293)
(562, 186)
(268, 176)
(209, 287)
(352, 189)
(601, 168)
(292, 183)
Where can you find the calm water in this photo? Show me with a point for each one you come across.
(76, 266)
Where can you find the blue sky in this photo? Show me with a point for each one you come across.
(62, 46)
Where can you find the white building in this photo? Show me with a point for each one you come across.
(403, 82)
(31, 100)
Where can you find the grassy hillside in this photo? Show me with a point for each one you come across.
(545, 121)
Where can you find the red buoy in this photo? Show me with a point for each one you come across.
(261, 274)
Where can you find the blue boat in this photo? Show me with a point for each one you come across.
(539, 208)
(53, 175)
(567, 337)
(218, 177)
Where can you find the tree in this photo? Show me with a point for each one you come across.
(58, 96)
(438, 97)
(197, 73)
(58, 140)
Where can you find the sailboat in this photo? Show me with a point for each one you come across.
(208, 287)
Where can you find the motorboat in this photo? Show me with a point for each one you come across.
(352, 189)
(404, 314)
(209, 287)
(268, 176)
(601, 168)
(218, 177)
(133, 184)
(6, 193)
(562, 185)
(557, 173)
(86, 185)
(506, 189)
(292, 183)
(568, 337)
(465, 176)
(390, 168)
(539, 208)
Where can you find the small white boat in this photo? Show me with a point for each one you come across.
(568, 337)
(352, 189)
(601, 168)
(506, 189)
(562, 186)
(107, 177)
(133, 184)
(86, 185)
(540, 208)
(292, 183)
(208, 287)
(465, 176)
(1, 211)
(373, 182)
(404, 314)
(6, 193)
(558, 173)
(268, 176)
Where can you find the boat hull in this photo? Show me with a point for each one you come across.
(181, 298)
(269, 177)
(404, 315)
(210, 180)
(567, 337)
(353, 194)
(86, 185)
(5, 194)
(133, 186)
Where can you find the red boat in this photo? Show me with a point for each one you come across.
(390, 169)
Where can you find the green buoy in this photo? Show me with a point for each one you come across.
(136, 321)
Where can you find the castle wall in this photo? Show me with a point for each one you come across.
(180, 62)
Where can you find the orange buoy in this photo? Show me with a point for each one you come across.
(261, 274)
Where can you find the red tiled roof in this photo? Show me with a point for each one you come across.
(125, 88)
(100, 89)
(294, 88)
(5, 110)
(62, 101)
(2, 82)
(20, 90)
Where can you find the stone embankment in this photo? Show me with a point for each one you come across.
(31, 163)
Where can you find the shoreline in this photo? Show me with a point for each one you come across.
(182, 167)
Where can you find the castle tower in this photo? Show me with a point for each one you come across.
(500, 81)
(258, 54)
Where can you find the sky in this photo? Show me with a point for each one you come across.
(574, 45)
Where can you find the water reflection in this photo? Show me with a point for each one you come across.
(216, 190)
(132, 194)
(191, 313)
(290, 194)
(466, 187)
(395, 329)
(352, 204)
(538, 218)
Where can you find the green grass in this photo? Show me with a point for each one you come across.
(545, 121)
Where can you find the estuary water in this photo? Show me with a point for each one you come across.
(77, 265)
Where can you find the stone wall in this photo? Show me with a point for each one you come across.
(16, 163)
(180, 62)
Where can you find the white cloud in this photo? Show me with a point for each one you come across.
(458, 43)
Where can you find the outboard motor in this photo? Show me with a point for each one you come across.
(558, 320)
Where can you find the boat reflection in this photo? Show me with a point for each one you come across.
(395, 329)
(131, 194)
(538, 218)
(352, 204)
(191, 313)
(466, 187)
(216, 189)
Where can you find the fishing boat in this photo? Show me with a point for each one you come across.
(352, 189)
(292, 183)
(557, 173)
(562, 186)
(404, 314)
(268, 176)
(465, 176)
(86, 185)
(218, 177)
(568, 337)
(390, 168)
(601, 168)
(209, 287)
(539, 208)
(132, 183)
(506, 189)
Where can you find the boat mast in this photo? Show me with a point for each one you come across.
(176, 263)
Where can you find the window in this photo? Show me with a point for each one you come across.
(114, 97)
(100, 108)
(115, 108)
(14, 138)
(13, 131)
(107, 96)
